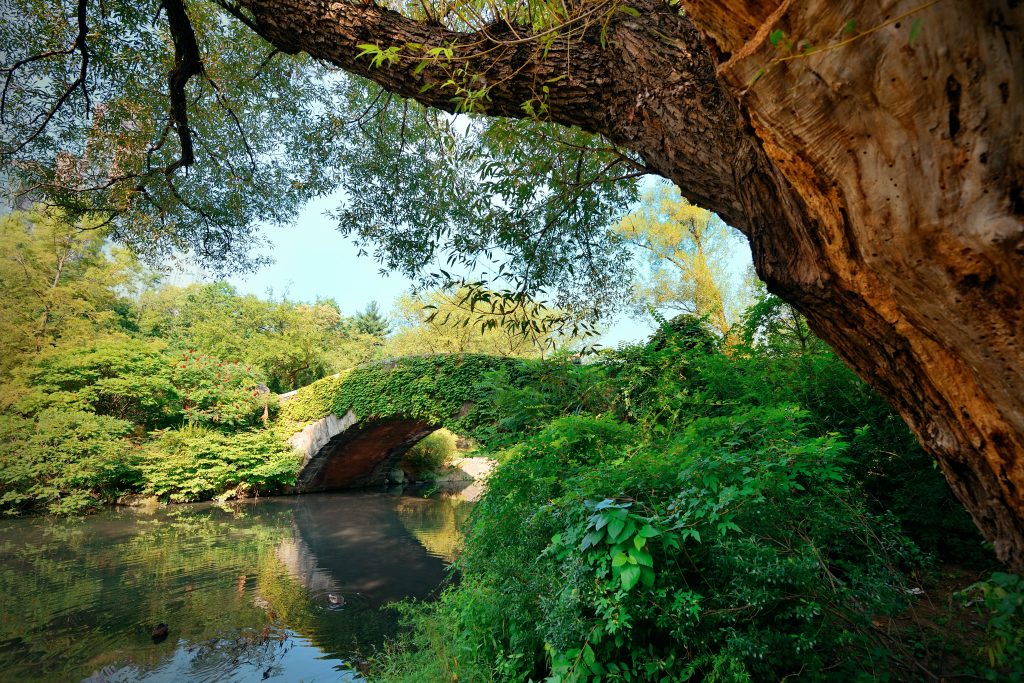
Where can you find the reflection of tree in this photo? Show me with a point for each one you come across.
(436, 522)
(78, 594)
(78, 598)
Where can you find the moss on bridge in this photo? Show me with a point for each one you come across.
(441, 390)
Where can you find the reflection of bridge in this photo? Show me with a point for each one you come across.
(363, 546)
(358, 426)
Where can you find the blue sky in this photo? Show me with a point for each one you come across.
(312, 260)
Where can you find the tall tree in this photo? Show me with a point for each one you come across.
(687, 248)
(871, 152)
(370, 321)
(56, 284)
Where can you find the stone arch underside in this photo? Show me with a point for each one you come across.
(356, 453)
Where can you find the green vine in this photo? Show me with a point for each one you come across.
(439, 389)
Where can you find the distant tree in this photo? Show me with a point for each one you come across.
(292, 343)
(370, 321)
(777, 327)
(686, 248)
(57, 283)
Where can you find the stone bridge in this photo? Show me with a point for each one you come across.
(353, 429)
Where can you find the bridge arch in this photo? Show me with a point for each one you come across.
(354, 428)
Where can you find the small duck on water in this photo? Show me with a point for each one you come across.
(159, 633)
(336, 600)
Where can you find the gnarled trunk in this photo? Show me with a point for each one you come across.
(906, 148)
(879, 179)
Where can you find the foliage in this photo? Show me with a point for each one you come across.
(686, 249)
(258, 132)
(467, 321)
(773, 325)
(95, 117)
(432, 452)
(738, 550)
(291, 343)
(440, 390)
(310, 403)
(371, 322)
(523, 205)
(125, 378)
(57, 285)
(63, 461)
(196, 463)
(1001, 601)
(689, 510)
(522, 400)
(217, 393)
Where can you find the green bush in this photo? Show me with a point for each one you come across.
(433, 451)
(123, 378)
(197, 463)
(738, 551)
(217, 393)
(1000, 600)
(63, 461)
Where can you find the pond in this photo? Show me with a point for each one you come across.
(290, 588)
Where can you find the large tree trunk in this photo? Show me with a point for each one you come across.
(879, 182)
(907, 154)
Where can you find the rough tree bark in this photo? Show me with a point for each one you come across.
(878, 177)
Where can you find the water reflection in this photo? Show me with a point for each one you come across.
(246, 591)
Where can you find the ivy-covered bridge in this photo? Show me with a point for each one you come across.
(352, 429)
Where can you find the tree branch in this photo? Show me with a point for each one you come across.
(187, 63)
(82, 46)
(602, 72)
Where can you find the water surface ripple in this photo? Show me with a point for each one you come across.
(283, 589)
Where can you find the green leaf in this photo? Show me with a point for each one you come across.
(642, 557)
(615, 528)
(592, 539)
(367, 49)
(629, 576)
(776, 36)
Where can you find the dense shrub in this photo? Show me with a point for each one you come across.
(1000, 601)
(63, 461)
(691, 510)
(217, 393)
(739, 551)
(123, 378)
(197, 463)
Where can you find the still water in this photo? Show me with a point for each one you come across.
(281, 589)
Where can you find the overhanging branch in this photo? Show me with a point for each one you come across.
(187, 63)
